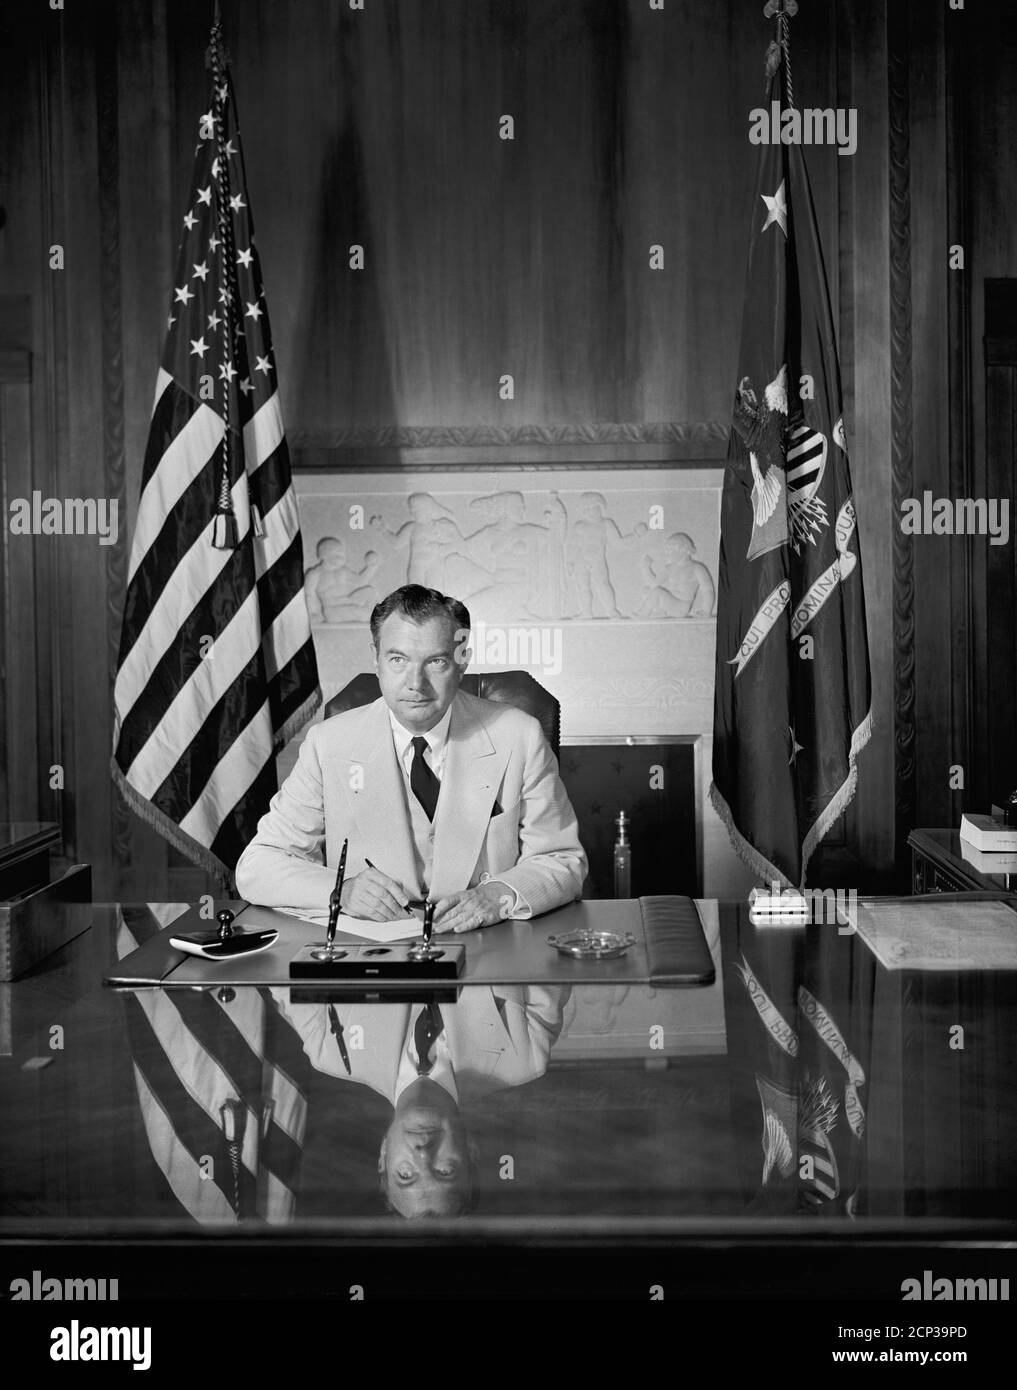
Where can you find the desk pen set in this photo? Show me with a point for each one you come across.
(405, 961)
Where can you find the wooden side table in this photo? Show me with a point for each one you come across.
(938, 865)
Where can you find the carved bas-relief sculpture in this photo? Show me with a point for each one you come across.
(682, 587)
(333, 589)
(430, 536)
(578, 562)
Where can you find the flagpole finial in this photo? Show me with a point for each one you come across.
(780, 8)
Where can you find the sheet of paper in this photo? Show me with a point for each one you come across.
(381, 933)
(940, 935)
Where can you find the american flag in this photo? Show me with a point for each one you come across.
(217, 668)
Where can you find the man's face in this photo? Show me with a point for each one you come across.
(425, 1162)
(417, 670)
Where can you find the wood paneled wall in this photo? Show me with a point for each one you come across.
(486, 257)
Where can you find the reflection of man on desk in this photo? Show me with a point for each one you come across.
(427, 1060)
(439, 793)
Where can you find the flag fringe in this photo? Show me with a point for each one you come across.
(297, 720)
(745, 850)
(197, 853)
(842, 798)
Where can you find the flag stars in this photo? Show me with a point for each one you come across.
(170, 321)
(244, 258)
(200, 272)
(190, 220)
(776, 209)
(263, 365)
(227, 371)
(182, 295)
(223, 92)
(246, 386)
(213, 242)
(205, 196)
(796, 747)
(214, 321)
(253, 311)
(199, 347)
(229, 147)
(225, 296)
(237, 202)
(215, 167)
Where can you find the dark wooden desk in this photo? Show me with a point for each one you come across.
(633, 1132)
(938, 865)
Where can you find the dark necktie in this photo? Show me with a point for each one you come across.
(426, 1029)
(423, 783)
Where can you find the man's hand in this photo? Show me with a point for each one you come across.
(374, 896)
(476, 907)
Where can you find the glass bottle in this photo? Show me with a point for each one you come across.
(622, 859)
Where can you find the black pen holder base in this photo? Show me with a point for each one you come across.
(394, 962)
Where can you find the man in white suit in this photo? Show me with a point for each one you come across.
(440, 794)
(428, 1061)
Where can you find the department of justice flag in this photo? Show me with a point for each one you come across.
(217, 667)
(791, 706)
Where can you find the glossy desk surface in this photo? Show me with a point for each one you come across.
(808, 1088)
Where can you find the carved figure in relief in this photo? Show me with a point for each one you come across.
(333, 588)
(560, 594)
(682, 587)
(586, 557)
(431, 537)
(504, 564)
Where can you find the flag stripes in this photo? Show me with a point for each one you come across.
(194, 1056)
(217, 667)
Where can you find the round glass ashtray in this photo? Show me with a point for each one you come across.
(592, 945)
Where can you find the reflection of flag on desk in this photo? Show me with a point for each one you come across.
(222, 1098)
(792, 668)
(217, 668)
(799, 1013)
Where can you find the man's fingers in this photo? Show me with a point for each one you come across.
(390, 909)
(444, 905)
(389, 885)
(375, 896)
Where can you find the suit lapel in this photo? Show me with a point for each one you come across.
(473, 768)
(379, 807)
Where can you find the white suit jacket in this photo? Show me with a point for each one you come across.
(502, 812)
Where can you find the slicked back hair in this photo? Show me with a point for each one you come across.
(418, 604)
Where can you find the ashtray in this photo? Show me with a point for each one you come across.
(592, 945)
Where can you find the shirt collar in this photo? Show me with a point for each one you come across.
(436, 737)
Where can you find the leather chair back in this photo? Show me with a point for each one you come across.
(510, 687)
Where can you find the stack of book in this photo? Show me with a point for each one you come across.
(987, 844)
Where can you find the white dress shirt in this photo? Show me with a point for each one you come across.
(434, 755)
(442, 1071)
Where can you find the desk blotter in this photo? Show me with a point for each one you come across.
(669, 949)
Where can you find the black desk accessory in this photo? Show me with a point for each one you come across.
(401, 960)
(227, 942)
(425, 949)
(328, 951)
(363, 961)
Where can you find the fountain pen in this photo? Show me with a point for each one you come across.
(335, 899)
